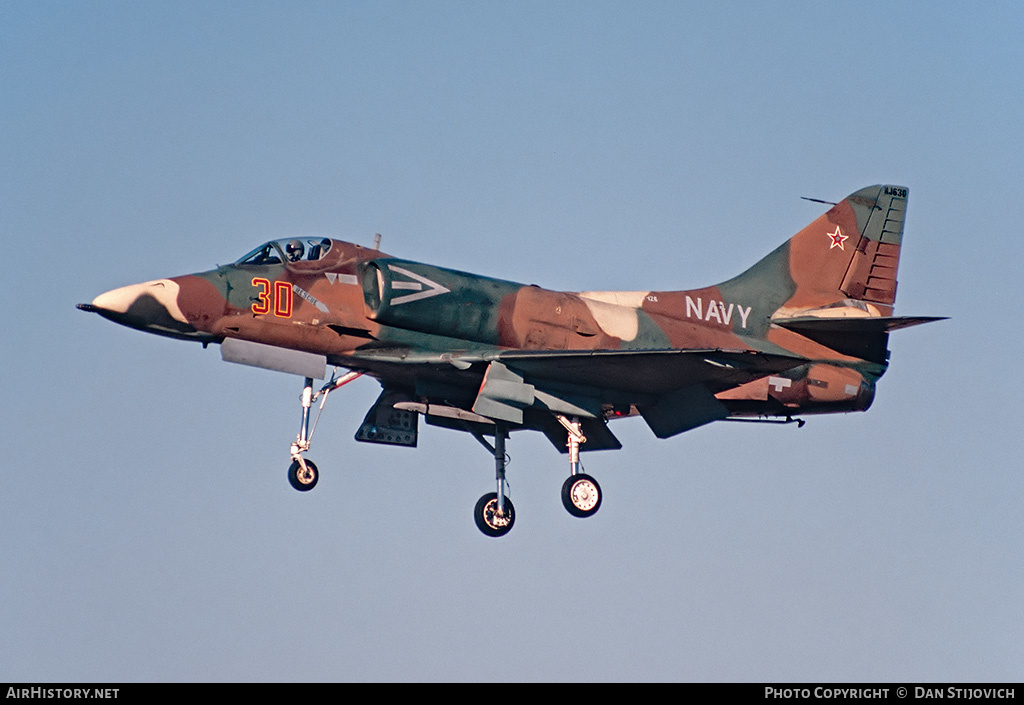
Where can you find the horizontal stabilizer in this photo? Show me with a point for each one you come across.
(854, 326)
(865, 337)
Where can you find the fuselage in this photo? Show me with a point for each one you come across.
(363, 309)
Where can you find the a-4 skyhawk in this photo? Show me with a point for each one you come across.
(803, 331)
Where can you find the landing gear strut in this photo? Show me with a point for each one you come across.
(494, 513)
(581, 495)
(302, 473)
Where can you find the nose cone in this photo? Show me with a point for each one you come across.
(150, 306)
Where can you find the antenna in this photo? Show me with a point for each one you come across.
(818, 200)
(376, 241)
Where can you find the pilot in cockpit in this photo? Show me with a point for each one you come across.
(295, 250)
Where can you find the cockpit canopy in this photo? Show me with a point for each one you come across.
(295, 249)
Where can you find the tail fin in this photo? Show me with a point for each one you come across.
(847, 258)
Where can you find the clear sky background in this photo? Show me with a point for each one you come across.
(147, 529)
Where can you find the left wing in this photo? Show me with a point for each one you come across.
(674, 390)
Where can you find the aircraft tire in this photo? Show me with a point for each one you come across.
(303, 484)
(484, 511)
(581, 495)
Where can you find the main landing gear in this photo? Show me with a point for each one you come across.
(581, 495)
(302, 473)
(494, 513)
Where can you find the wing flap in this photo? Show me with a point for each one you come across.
(682, 410)
(648, 372)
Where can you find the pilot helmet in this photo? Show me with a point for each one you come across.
(295, 250)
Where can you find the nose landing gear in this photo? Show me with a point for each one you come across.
(303, 473)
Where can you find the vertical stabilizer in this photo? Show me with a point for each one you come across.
(847, 258)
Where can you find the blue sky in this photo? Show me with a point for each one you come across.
(147, 531)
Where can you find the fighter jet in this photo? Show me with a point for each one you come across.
(803, 331)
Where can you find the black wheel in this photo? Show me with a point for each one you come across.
(487, 519)
(581, 495)
(303, 481)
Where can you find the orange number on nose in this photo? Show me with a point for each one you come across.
(282, 298)
(262, 305)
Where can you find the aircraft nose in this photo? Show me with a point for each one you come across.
(121, 300)
(150, 306)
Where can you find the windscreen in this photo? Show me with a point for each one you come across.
(299, 249)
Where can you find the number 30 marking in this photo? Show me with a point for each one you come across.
(282, 298)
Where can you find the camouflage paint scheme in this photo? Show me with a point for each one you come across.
(803, 331)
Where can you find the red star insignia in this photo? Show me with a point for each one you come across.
(838, 239)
